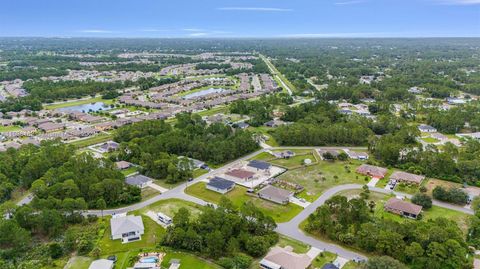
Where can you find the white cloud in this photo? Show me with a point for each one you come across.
(96, 31)
(199, 34)
(260, 9)
(346, 3)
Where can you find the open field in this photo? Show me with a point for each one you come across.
(10, 128)
(280, 213)
(319, 177)
(102, 137)
(78, 102)
(294, 161)
(171, 206)
(148, 193)
(188, 261)
(78, 262)
(198, 172)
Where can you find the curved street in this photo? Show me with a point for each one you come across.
(290, 228)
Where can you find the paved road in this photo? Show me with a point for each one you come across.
(275, 73)
(289, 228)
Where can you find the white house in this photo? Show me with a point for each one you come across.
(128, 228)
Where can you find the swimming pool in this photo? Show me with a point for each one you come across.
(149, 260)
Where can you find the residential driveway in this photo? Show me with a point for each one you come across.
(340, 262)
(157, 187)
(313, 252)
(373, 182)
(295, 200)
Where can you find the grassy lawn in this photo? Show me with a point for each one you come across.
(264, 156)
(199, 172)
(294, 161)
(351, 265)
(213, 111)
(10, 128)
(102, 137)
(187, 261)
(280, 213)
(430, 140)
(432, 183)
(319, 177)
(407, 188)
(166, 185)
(171, 206)
(323, 258)
(78, 262)
(148, 193)
(153, 234)
(298, 247)
(78, 102)
(130, 170)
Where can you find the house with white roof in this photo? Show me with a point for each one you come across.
(128, 228)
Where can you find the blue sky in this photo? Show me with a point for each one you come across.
(240, 18)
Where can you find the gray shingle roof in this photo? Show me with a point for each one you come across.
(220, 183)
(125, 224)
(137, 180)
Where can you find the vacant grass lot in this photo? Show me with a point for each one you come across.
(10, 128)
(187, 261)
(280, 213)
(78, 262)
(319, 177)
(294, 161)
(171, 206)
(148, 193)
(79, 102)
(99, 138)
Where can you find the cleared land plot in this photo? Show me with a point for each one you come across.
(78, 262)
(148, 193)
(79, 102)
(280, 213)
(187, 261)
(171, 206)
(319, 177)
(10, 128)
(295, 161)
(102, 137)
(298, 247)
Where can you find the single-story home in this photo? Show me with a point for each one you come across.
(122, 165)
(220, 185)
(427, 128)
(285, 258)
(402, 208)
(138, 180)
(276, 195)
(372, 171)
(109, 146)
(101, 264)
(128, 228)
(355, 155)
(242, 125)
(284, 154)
(237, 174)
(256, 165)
(50, 127)
(407, 177)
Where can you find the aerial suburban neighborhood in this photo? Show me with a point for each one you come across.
(181, 147)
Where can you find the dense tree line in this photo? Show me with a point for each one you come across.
(223, 232)
(156, 145)
(318, 124)
(456, 119)
(452, 163)
(261, 110)
(432, 244)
